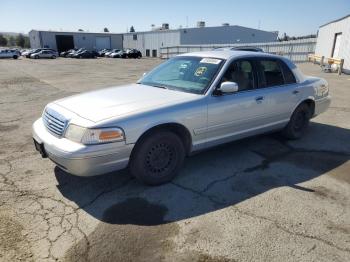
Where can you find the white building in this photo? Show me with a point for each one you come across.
(149, 43)
(334, 41)
(62, 41)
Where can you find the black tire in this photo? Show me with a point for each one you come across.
(15, 57)
(36, 57)
(53, 57)
(298, 123)
(157, 158)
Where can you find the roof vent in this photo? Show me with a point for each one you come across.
(225, 24)
(165, 26)
(200, 24)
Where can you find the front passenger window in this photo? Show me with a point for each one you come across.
(242, 73)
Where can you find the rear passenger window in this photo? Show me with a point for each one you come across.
(271, 72)
(289, 77)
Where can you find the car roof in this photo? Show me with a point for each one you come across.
(227, 54)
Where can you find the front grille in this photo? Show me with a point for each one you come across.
(54, 122)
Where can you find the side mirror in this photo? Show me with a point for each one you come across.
(228, 87)
(145, 73)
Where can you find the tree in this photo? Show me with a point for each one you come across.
(105, 30)
(26, 42)
(132, 29)
(20, 40)
(11, 41)
(3, 40)
(80, 30)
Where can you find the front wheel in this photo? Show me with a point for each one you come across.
(15, 57)
(157, 158)
(298, 123)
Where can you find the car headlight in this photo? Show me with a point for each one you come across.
(89, 136)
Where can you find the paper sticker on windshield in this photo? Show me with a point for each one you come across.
(200, 71)
(210, 61)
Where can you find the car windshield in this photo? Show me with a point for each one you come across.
(186, 74)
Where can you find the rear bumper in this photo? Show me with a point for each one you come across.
(322, 105)
(82, 160)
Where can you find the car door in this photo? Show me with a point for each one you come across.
(233, 115)
(281, 91)
(46, 54)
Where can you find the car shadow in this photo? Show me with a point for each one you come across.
(217, 178)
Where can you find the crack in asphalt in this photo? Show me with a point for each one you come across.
(286, 230)
(69, 220)
(262, 166)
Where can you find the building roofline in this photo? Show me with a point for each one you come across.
(198, 28)
(149, 32)
(334, 21)
(75, 32)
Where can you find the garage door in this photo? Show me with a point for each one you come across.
(103, 42)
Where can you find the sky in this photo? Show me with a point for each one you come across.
(295, 17)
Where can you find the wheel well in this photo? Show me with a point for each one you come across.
(178, 129)
(311, 104)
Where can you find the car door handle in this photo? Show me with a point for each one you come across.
(259, 99)
(295, 92)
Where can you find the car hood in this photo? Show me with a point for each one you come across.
(122, 101)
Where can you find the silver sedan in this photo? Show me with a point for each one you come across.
(189, 103)
(44, 54)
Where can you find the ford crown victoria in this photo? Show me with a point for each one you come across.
(188, 103)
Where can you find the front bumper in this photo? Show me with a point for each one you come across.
(321, 105)
(82, 160)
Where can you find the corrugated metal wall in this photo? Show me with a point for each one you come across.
(151, 41)
(156, 40)
(224, 35)
(34, 39)
(85, 40)
(326, 37)
(296, 50)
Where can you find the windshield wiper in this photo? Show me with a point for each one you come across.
(159, 86)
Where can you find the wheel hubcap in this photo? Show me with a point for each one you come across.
(160, 158)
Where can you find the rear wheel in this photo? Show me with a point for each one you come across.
(15, 57)
(298, 123)
(157, 158)
(36, 57)
(53, 57)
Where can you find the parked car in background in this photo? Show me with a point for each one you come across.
(107, 54)
(102, 52)
(9, 53)
(37, 50)
(44, 54)
(191, 102)
(114, 54)
(86, 54)
(120, 54)
(25, 52)
(74, 52)
(133, 53)
(65, 53)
